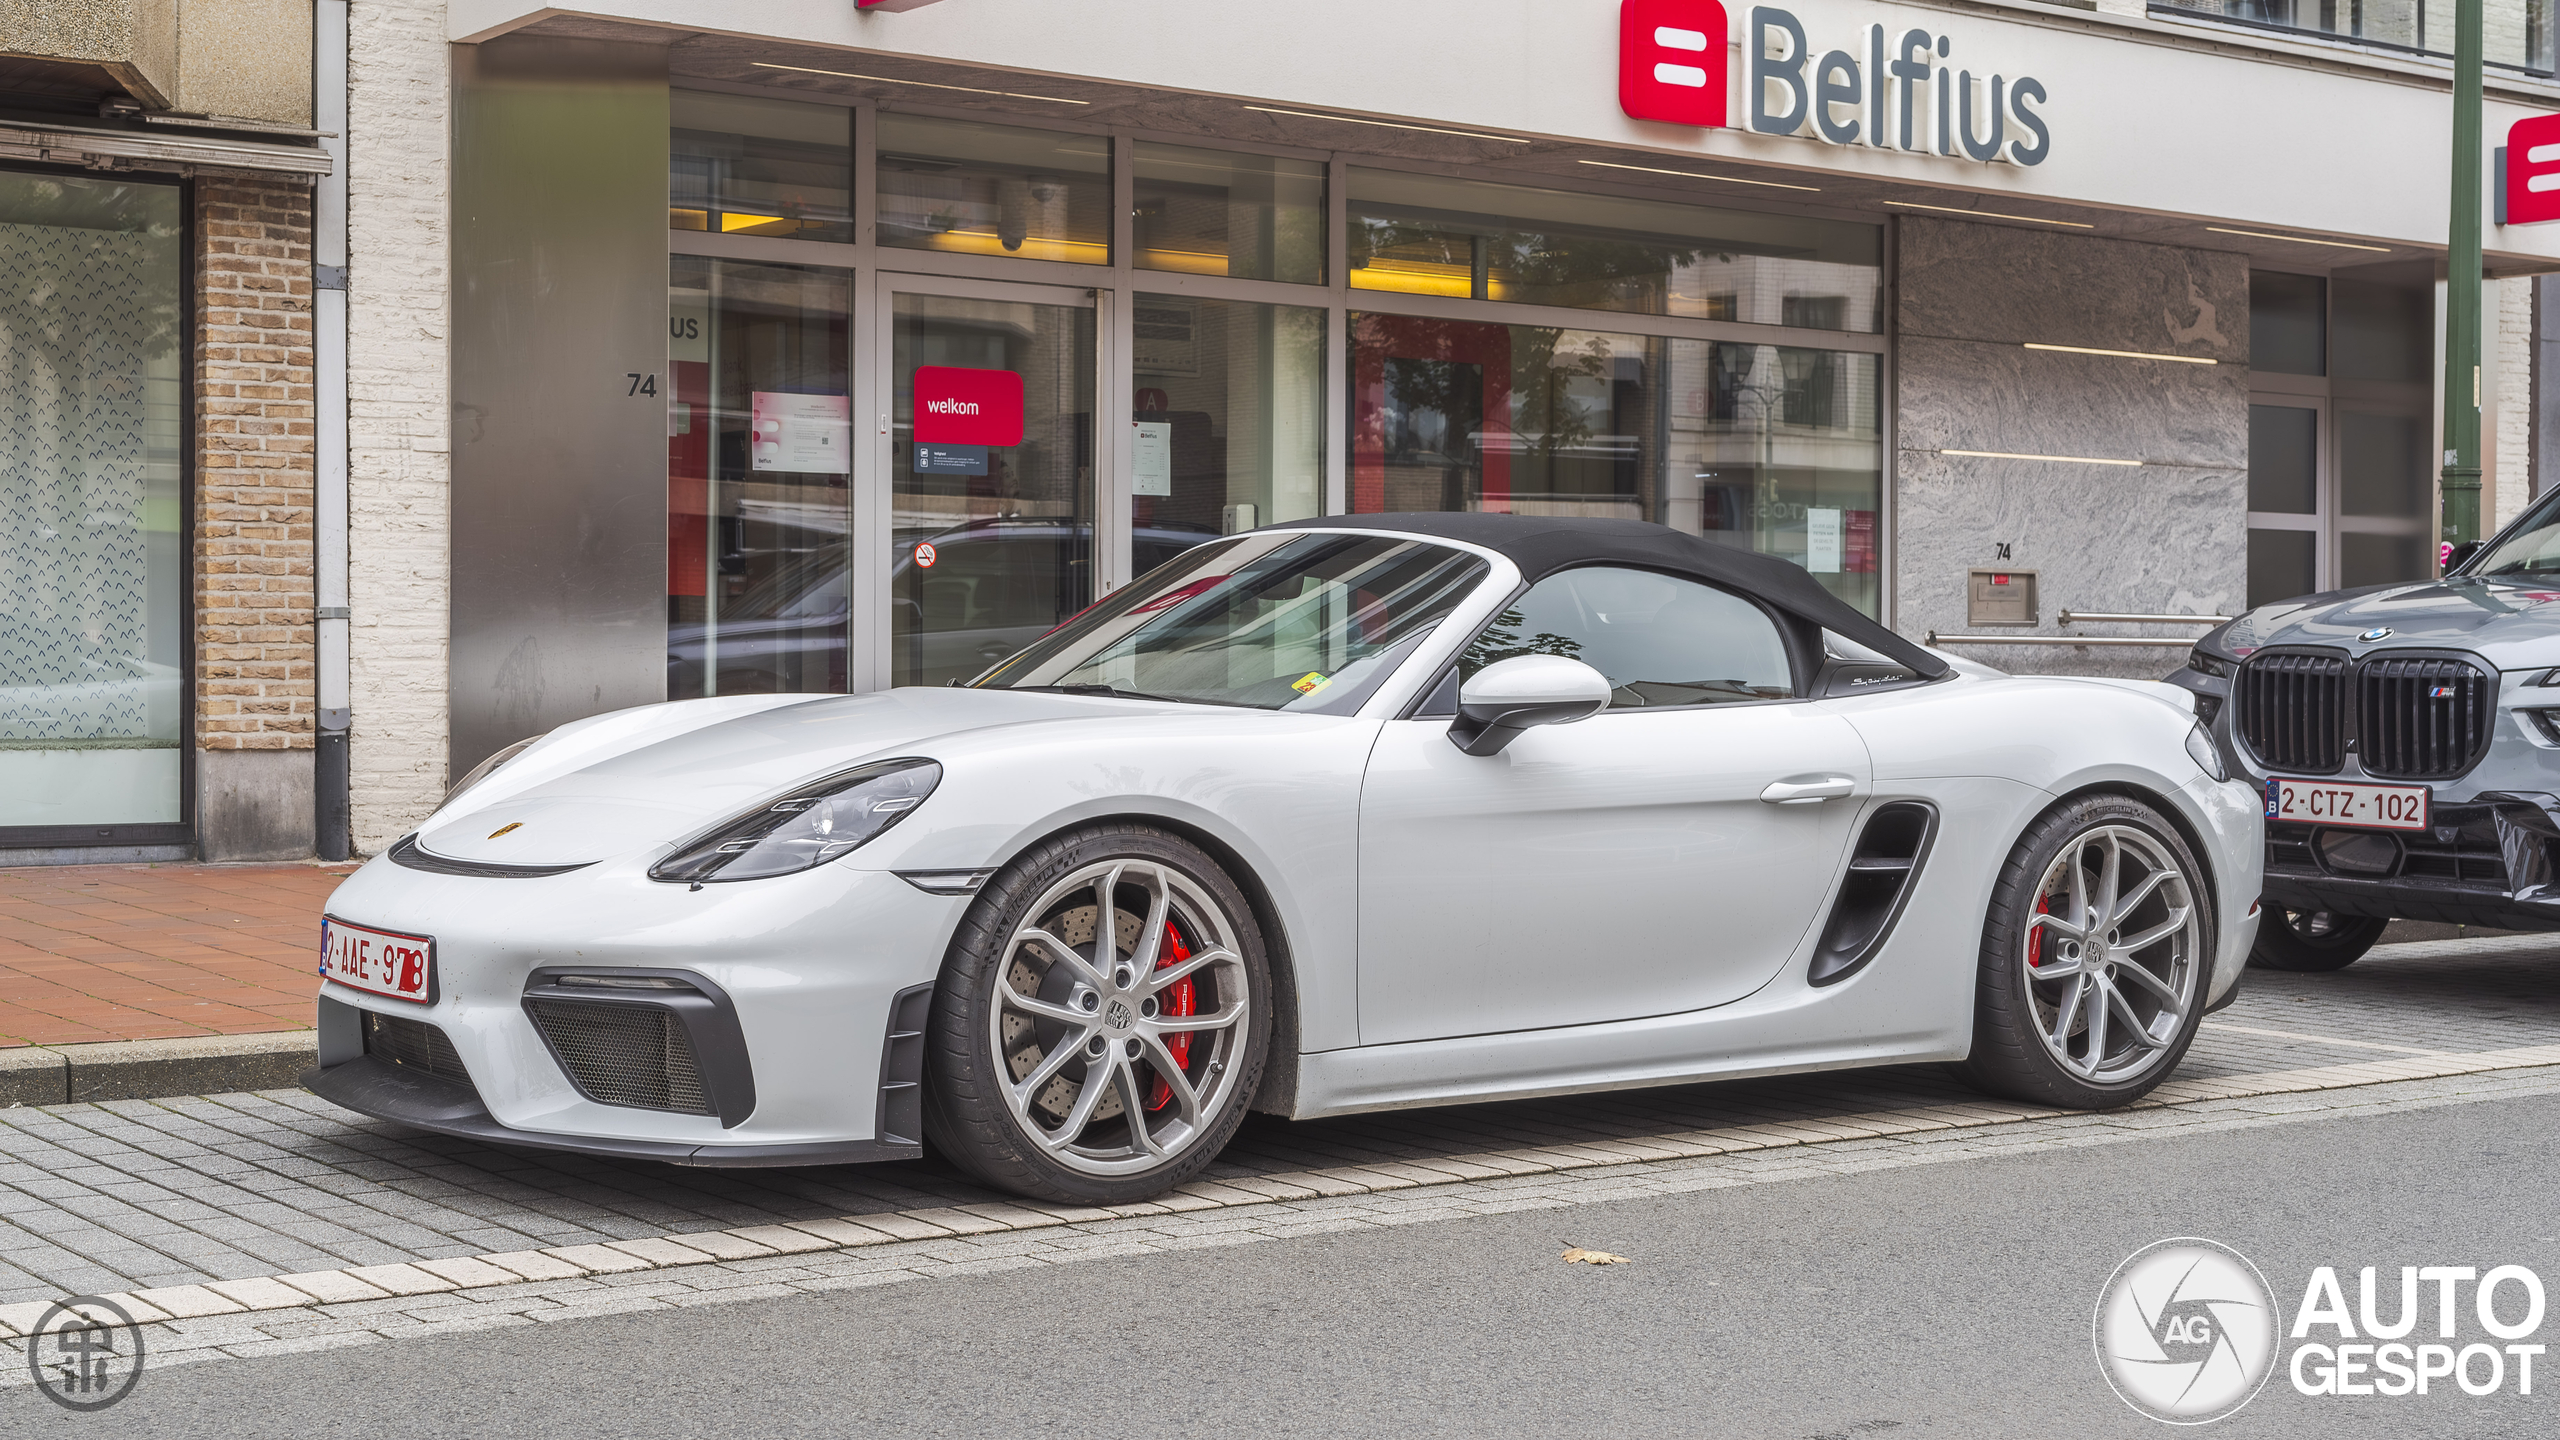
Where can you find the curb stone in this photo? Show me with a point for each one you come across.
(155, 1069)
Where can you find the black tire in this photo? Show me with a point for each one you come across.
(982, 1048)
(2312, 940)
(2021, 1002)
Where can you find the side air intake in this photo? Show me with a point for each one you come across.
(1882, 866)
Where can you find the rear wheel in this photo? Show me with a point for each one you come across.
(2095, 957)
(1101, 1020)
(2313, 939)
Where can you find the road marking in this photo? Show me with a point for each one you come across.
(2319, 1039)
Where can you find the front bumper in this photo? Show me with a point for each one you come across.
(2488, 862)
(821, 983)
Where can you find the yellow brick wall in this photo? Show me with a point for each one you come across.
(253, 494)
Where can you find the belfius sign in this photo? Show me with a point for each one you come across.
(1893, 88)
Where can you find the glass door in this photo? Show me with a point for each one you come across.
(989, 423)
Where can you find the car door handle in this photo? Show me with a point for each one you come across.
(1808, 792)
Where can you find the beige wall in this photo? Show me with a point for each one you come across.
(399, 103)
(250, 58)
(245, 58)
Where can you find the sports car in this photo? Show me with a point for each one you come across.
(1335, 816)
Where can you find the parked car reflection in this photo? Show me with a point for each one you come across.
(991, 587)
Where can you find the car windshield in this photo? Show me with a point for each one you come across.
(2532, 548)
(1285, 620)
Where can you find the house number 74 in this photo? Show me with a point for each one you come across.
(640, 384)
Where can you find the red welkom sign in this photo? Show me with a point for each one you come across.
(968, 407)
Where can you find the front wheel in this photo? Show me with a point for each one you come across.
(1101, 1020)
(2313, 939)
(2095, 957)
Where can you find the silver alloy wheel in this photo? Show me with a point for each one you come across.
(1084, 1030)
(2114, 954)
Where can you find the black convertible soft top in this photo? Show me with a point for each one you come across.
(1543, 544)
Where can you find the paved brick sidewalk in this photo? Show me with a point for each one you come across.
(147, 952)
(399, 1302)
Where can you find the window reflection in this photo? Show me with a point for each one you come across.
(744, 165)
(1772, 448)
(1228, 418)
(967, 188)
(1431, 235)
(1215, 212)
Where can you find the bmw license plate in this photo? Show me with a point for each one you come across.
(2358, 807)
(378, 962)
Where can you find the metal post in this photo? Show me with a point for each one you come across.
(333, 816)
(2462, 289)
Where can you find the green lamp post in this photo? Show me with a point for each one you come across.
(2462, 289)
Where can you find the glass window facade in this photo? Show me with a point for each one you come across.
(1236, 401)
(1773, 448)
(1218, 212)
(744, 165)
(92, 570)
(1433, 235)
(1228, 419)
(964, 187)
(2516, 34)
(759, 470)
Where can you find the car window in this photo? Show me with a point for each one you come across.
(1660, 640)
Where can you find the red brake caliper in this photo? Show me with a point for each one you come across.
(2035, 934)
(1180, 998)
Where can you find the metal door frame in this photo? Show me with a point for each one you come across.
(874, 491)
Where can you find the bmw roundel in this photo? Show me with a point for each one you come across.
(2378, 632)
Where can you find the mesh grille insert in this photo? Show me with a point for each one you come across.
(623, 1054)
(2425, 718)
(412, 1045)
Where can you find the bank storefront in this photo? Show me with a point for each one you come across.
(977, 311)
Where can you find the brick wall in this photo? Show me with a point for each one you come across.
(253, 521)
(399, 84)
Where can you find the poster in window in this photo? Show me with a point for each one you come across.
(1165, 337)
(801, 434)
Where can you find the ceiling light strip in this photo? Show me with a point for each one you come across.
(1990, 214)
(921, 84)
(1694, 175)
(1390, 125)
(2123, 354)
(2298, 239)
(2058, 459)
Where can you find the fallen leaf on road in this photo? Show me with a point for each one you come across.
(1579, 1256)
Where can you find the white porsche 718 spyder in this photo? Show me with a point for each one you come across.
(1343, 815)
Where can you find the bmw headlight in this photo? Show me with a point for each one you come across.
(806, 827)
(2206, 664)
(2205, 753)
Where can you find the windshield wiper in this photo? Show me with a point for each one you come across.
(1116, 693)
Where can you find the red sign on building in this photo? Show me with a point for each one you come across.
(968, 407)
(1672, 65)
(2529, 166)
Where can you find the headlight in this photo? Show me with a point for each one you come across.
(484, 770)
(2548, 677)
(805, 828)
(2207, 755)
(2204, 664)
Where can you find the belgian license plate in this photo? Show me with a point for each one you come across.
(378, 962)
(2359, 807)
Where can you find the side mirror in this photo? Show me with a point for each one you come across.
(1511, 695)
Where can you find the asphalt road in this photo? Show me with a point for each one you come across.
(1939, 1300)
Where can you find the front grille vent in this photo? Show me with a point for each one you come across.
(2293, 711)
(624, 1054)
(413, 1045)
(2423, 718)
